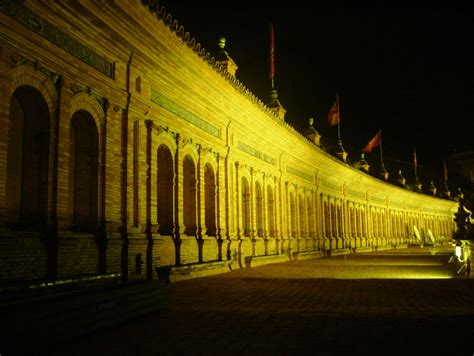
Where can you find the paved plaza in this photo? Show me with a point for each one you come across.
(396, 302)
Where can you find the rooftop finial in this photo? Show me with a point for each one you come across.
(224, 59)
(311, 133)
(221, 43)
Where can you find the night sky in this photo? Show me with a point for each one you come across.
(407, 71)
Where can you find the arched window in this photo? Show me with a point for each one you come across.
(165, 176)
(189, 196)
(259, 207)
(27, 159)
(83, 171)
(245, 207)
(302, 214)
(210, 200)
(292, 214)
(270, 211)
(310, 210)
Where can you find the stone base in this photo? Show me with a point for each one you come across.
(339, 251)
(173, 274)
(384, 247)
(364, 249)
(307, 255)
(252, 261)
(399, 246)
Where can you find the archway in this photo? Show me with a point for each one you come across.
(165, 190)
(28, 159)
(189, 196)
(259, 207)
(83, 171)
(270, 211)
(210, 200)
(245, 207)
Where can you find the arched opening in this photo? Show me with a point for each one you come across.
(293, 215)
(245, 207)
(271, 211)
(210, 200)
(302, 214)
(327, 219)
(165, 176)
(83, 171)
(27, 159)
(189, 196)
(309, 204)
(259, 207)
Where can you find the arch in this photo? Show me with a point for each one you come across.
(27, 76)
(190, 150)
(210, 200)
(207, 158)
(167, 140)
(83, 171)
(165, 190)
(189, 196)
(245, 206)
(83, 101)
(28, 157)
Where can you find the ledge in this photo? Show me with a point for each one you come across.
(364, 249)
(253, 261)
(171, 274)
(339, 251)
(399, 246)
(384, 247)
(307, 255)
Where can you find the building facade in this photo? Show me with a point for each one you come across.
(126, 147)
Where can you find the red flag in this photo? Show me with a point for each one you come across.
(445, 172)
(272, 53)
(374, 142)
(333, 115)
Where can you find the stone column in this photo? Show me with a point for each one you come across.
(6, 94)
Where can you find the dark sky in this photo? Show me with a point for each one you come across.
(408, 71)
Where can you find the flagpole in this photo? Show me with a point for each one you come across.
(272, 56)
(415, 162)
(381, 151)
(339, 121)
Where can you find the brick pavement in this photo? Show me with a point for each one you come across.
(393, 302)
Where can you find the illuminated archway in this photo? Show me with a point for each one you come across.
(83, 171)
(28, 158)
(245, 206)
(189, 196)
(165, 176)
(210, 200)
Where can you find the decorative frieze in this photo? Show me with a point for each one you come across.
(19, 60)
(256, 153)
(299, 173)
(356, 193)
(377, 198)
(17, 11)
(330, 184)
(103, 102)
(176, 109)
